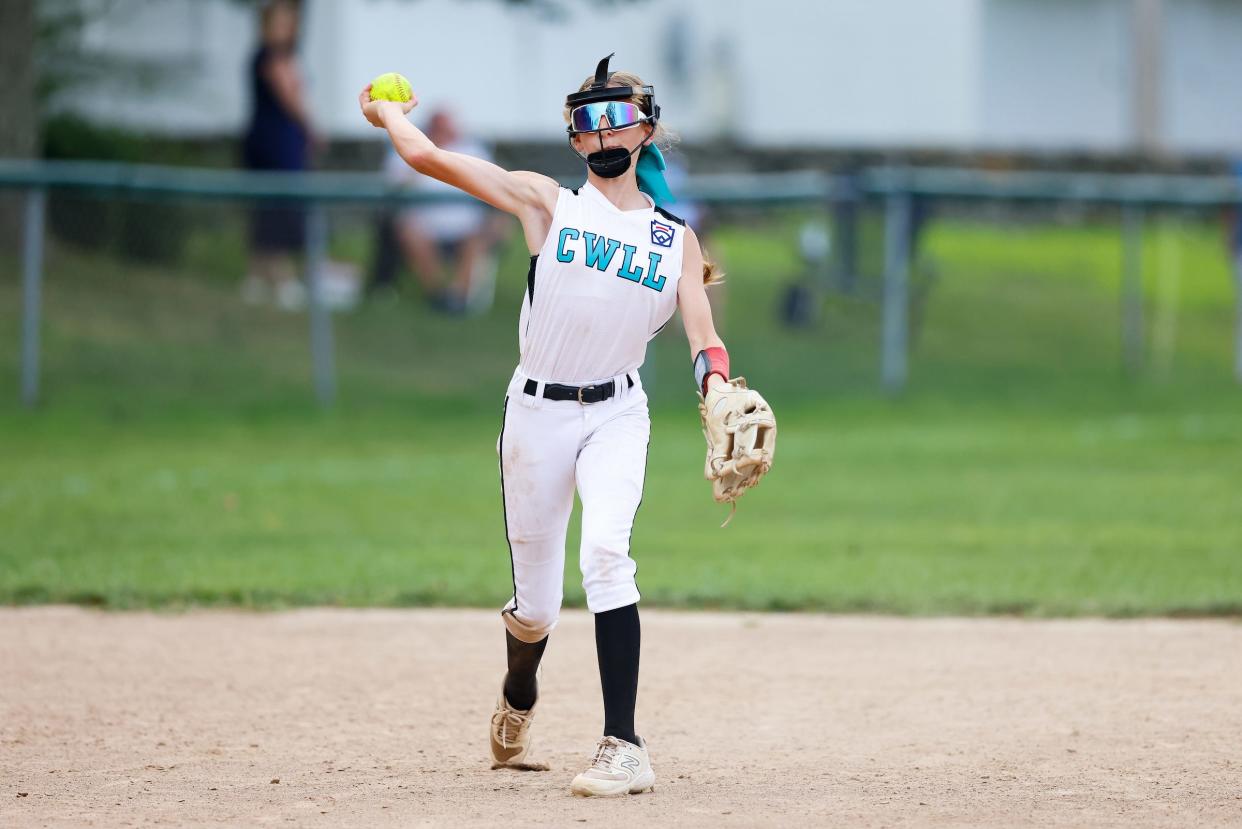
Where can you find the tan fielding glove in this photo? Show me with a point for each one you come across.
(741, 439)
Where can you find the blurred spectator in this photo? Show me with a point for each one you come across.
(449, 246)
(281, 137)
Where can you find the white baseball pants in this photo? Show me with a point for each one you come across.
(547, 449)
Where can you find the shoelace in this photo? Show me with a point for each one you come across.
(605, 753)
(508, 718)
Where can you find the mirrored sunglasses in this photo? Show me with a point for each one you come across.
(620, 115)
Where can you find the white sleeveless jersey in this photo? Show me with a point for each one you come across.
(603, 284)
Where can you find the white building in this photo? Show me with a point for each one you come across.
(1044, 75)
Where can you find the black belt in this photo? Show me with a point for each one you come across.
(583, 394)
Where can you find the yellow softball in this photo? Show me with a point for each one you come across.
(391, 86)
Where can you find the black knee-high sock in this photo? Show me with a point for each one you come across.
(520, 688)
(617, 635)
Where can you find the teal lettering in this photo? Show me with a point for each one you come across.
(655, 283)
(563, 255)
(628, 271)
(599, 250)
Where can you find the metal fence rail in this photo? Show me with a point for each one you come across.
(896, 188)
(1092, 188)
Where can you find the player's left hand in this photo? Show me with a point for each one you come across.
(371, 110)
(741, 438)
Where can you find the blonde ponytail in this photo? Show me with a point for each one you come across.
(712, 275)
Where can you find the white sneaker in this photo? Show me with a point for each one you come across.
(618, 768)
(510, 734)
(340, 286)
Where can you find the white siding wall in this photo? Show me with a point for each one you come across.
(1202, 79)
(858, 72)
(1013, 74)
(205, 45)
(1056, 73)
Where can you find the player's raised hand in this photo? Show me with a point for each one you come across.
(372, 110)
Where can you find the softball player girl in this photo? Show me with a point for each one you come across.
(608, 268)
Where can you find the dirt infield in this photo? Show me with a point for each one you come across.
(375, 718)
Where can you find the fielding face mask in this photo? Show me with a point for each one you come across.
(601, 108)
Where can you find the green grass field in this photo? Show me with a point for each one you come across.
(178, 458)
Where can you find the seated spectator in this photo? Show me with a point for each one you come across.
(449, 246)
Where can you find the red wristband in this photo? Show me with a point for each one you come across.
(714, 360)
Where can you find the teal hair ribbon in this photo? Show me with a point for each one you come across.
(650, 172)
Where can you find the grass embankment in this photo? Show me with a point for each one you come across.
(178, 457)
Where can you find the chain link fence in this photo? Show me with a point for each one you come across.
(141, 286)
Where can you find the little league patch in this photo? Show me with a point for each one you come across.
(661, 234)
